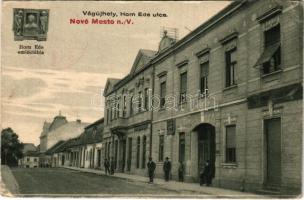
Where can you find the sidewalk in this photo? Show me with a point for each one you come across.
(180, 186)
(9, 186)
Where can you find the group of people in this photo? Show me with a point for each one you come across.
(109, 166)
(205, 174)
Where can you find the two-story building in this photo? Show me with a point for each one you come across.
(229, 92)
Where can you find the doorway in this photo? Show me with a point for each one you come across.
(206, 147)
(272, 128)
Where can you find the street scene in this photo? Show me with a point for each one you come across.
(147, 99)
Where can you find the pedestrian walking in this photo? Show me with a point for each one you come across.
(181, 170)
(206, 175)
(107, 166)
(167, 169)
(151, 168)
(112, 166)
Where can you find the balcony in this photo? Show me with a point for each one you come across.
(118, 123)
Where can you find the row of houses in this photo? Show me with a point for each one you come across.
(229, 92)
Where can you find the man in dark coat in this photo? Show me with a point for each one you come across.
(112, 166)
(107, 166)
(206, 176)
(167, 169)
(151, 168)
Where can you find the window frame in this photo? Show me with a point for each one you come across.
(270, 40)
(230, 69)
(228, 158)
(183, 94)
(204, 78)
(163, 91)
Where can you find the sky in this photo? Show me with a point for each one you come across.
(78, 59)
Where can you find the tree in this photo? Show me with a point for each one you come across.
(11, 148)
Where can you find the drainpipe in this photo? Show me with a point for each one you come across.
(151, 125)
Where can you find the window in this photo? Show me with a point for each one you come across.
(131, 106)
(183, 87)
(137, 152)
(118, 107)
(28, 159)
(230, 67)
(230, 144)
(146, 99)
(272, 47)
(162, 94)
(143, 163)
(204, 77)
(181, 147)
(124, 106)
(129, 155)
(161, 148)
(139, 101)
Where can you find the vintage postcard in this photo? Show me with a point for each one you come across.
(141, 99)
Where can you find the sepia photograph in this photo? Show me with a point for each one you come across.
(152, 99)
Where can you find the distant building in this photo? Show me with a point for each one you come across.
(30, 160)
(83, 151)
(28, 147)
(30, 157)
(59, 129)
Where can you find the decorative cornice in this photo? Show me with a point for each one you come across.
(203, 52)
(182, 63)
(270, 13)
(229, 37)
(164, 73)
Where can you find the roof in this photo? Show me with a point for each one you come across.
(27, 147)
(55, 147)
(70, 127)
(100, 121)
(32, 153)
(110, 84)
(147, 52)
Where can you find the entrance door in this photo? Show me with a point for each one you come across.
(273, 151)
(129, 154)
(206, 147)
(62, 160)
(124, 146)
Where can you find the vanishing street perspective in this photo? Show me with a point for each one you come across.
(214, 114)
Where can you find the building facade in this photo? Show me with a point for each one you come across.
(229, 92)
(83, 151)
(29, 160)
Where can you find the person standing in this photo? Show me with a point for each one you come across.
(206, 176)
(107, 166)
(181, 170)
(151, 168)
(167, 169)
(112, 167)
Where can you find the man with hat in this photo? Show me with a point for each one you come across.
(151, 167)
(167, 169)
